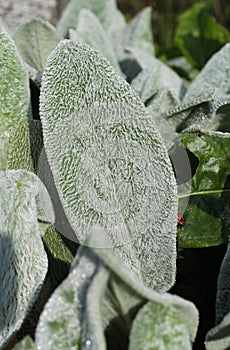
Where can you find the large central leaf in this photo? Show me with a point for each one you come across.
(109, 164)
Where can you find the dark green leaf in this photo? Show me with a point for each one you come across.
(208, 194)
(198, 35)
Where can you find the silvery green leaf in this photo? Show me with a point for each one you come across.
(61, 222)
(110, 166)
(155, 77)
(179, 114)
(214, 76)
(223, 287)
(71, 318)
(138, 32)
(158, 327)
(24, 261)
(185, 309)
(14, 92)
(35, 39)
(209, 112)
(158, 108)
(119, 307)
(25, 344)
(90, 31)
(25, 145)
(105, 10)
(218, 338)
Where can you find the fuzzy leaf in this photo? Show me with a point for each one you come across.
(208, 205)
(110, 166)
(24, 261)
(218, 338)
(214, 76)
(25, 344)
(155, 77)
(90, 31)
(35, 39)
(105, 10)
(209, 112)
(199, 35)
(14, 92)
(128, 284)
(158, 327)
(71, 318)
(138, 32)
(25, 145)
(120, 305)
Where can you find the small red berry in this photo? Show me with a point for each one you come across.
(180, 220)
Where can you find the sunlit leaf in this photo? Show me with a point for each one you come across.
(109, 163)
(14, 92)
(72, 317)
(24, 261)
(158, 327)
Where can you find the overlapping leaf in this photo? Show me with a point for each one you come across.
(137, 34)
(155, 76)
(105, 10)
(218, 338)
(90, 31)
(109, 164)
(14, 92)
(214, 76)
(158, 327)
(72, 317)
(128, 294)
(24, 261)
(35, 39)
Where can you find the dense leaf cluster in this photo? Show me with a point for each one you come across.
(94, 174)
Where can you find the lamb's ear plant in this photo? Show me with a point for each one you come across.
(102, 135)
(90, 31)
(23, 259)
(35, 39)
(111, 181)
(14, 93)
